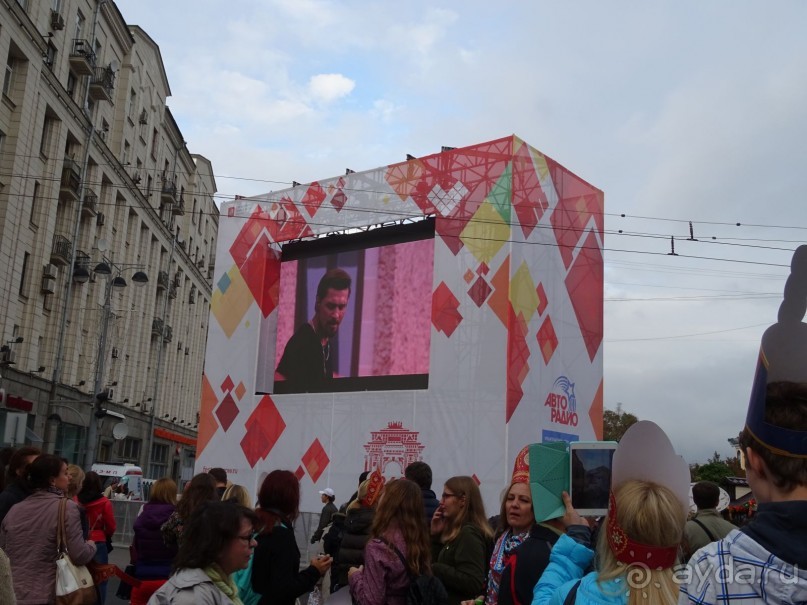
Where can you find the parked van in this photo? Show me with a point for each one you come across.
(126, 474)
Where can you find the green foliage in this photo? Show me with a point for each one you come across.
(615, 423)
(716, 469)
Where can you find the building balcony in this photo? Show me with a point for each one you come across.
(82, 57)
(168, 194)
(83, 262)
(62, 250)
(172, 291)
(90, 205)
(102, 84)
(162, 280)
(179, 207)
(168, 334)
(71, 179)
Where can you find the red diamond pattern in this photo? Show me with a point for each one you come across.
(529, 199)
(261, 272)
(299, 473)
(579, 204)
(480, 291)
(518, 354)
(547, 339)
(227, 411)
(227, 385)
(339, 199)
(542, 300)
(585, 286)
(313, 198)
(264, 427)
(445, 314)
(315, 460)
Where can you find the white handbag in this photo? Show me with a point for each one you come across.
(74, 585)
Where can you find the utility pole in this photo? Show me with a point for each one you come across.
(99, 395)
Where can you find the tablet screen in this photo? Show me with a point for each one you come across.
(591, 478)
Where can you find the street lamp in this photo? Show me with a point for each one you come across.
(114, 280)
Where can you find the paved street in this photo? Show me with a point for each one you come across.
(120, 557)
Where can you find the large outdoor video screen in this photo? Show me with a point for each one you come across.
(354, 312)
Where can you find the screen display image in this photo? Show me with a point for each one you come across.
(591, 478)
(354, 313)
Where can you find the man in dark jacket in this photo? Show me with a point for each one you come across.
(421, 473)
(328, 510)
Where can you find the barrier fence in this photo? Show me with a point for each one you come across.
(126, 512)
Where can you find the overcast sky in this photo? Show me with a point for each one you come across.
(678, 111)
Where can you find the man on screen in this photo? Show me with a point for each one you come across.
(306, 361)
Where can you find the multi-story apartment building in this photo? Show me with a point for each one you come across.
(99, 193)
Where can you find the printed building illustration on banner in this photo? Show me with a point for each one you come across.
(472, 323)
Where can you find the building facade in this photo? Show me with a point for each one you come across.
(107, 240)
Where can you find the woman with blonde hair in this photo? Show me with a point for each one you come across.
(76, 474)
(639, 541)
(461, 540)
(238, 494)
(152, 556)
(398, 548)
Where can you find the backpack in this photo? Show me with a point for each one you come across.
(333, 537)
(423, 589)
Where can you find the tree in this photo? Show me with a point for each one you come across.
(616, 422)
(717, 469)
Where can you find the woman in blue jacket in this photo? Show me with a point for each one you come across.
(640, 539)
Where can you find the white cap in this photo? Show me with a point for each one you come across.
(327, 492)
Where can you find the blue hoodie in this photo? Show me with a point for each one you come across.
(567, 564)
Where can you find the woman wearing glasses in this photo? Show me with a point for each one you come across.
(461, 540)
(218, 541)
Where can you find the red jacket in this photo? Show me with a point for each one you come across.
(100, 519)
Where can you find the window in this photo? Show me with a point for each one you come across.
(50, 55)
(69, 441)
(34, 203)
(23, 4)
(56, 5)
(159, 460)
(127, 151)
(154, 136)
(24, 276)
(8, 79)
(72, 80)
(79, 25)
(129, 449)
(48, 129)
(132, 113)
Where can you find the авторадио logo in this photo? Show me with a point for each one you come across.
(562, 402)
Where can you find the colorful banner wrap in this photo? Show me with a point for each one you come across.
(513, 335)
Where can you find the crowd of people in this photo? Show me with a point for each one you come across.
(396, 542)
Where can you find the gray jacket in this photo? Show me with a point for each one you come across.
(189, 587)
(28, 536)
